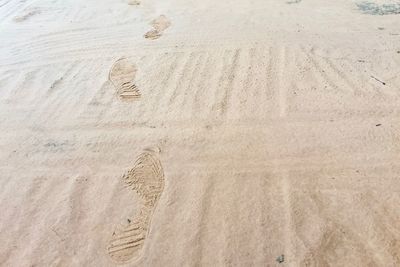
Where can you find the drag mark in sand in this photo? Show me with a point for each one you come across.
(229, 76)
(325, 73)
(146, 178)
(122, 76)
(281, 85)
(288, 231)
(159, 25)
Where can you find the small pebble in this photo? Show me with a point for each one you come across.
(281, 258)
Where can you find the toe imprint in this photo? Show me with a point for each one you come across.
(159, 25)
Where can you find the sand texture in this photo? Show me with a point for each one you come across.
(200, 133)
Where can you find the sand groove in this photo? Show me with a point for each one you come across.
(320, 71)
(146, 178)
(122, 76)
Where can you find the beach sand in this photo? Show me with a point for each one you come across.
(199, 133)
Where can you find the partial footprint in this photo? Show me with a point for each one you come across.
(122, 76)
(27, 15)
(134, 2)
(293, 2)
(146, 178)
(160, 24)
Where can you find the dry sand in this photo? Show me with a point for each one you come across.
(199, 133)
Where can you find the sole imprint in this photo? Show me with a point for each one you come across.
(159, 25)
(122, 75)
(146, 178)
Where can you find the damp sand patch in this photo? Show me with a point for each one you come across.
(372, 8)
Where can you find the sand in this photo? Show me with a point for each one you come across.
(199, 133)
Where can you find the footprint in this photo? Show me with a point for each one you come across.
(293, 2)
(134, 2)
(146, 178)
(122, 76)
(159, 24)
(153, 34)
(27, 15)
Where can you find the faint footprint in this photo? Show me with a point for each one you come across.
(27, 15)
(159, 25)
(293, 2)
(134, 2)
(122, 76)
(146, 178)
